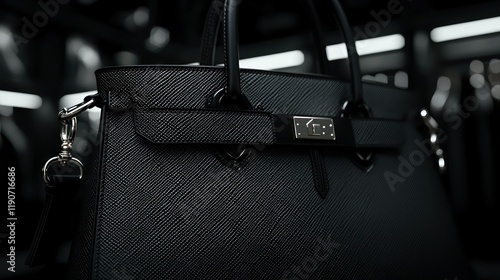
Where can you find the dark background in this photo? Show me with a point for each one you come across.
(60, 58)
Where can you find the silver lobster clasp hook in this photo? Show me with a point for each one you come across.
(68, 132)
(68, 129)
(65, 162)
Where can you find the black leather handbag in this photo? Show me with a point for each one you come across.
(206, 172)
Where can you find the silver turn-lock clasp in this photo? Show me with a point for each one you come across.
(314, 128)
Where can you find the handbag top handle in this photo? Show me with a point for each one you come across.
(212, 25)
(231, 54)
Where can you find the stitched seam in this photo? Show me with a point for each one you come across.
(205, 142)
(226, 4)
(202, 112)
(207, 47)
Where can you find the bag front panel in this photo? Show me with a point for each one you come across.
(175, 211)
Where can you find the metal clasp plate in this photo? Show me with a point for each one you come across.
(314, 128)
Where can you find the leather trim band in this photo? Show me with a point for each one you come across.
(207, 126)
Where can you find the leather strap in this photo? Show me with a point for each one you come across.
(212, 25)
(210, 32)
(352, 53)
(207, 126)
(53, 226)
(231, 51)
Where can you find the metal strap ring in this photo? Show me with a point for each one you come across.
(53, 160)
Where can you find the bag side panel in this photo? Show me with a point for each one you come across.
(82, 249)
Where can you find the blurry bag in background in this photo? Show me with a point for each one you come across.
(208, 172)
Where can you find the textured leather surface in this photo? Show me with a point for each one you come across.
(205, 126)
(184, 87)
(252, 127)
(80, 259)
(163, 211)
(373, 133)
(176, 212)
(231, 63)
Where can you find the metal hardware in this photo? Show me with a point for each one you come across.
(221, 100)
(54, 160)
(68, 132)
(76, 110)
(67, 117)
(433, 127)
(363, 158)
(314, 128)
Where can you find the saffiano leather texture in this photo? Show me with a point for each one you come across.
(174, 210)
